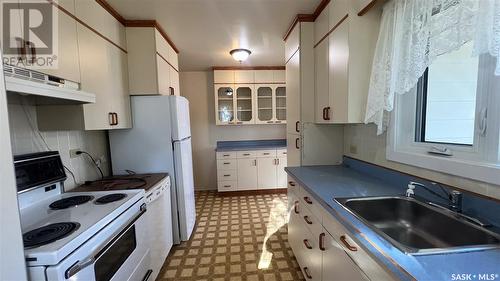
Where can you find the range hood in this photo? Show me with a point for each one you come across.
(48, 89)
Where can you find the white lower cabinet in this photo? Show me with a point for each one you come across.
(247, 173)
(321, 245)
(251, 170)
(267, 171)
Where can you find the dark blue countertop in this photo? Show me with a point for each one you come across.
(250, 145)
(325, 183)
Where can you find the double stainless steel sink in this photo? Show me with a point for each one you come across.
(416, 227)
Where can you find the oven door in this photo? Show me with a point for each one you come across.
(123, 257)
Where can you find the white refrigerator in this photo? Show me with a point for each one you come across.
(160, 141)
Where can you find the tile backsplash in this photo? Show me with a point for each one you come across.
(25, 139)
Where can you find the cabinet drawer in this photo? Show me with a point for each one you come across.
(227, 175)
(226, 155)
(281, 152)
(266, 153)
(293, 187)
(226, 164)
(311, 203)
(227, 186)
(309, 221)
(360, 257)
(246, 154)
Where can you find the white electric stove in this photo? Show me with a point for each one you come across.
(98, 235)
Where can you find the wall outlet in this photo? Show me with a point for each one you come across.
(72, 153)
(353, 149)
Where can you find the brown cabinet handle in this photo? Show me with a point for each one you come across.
(270, 122)
(246, 154)
(227, 175)
(110, 118)
(306, 218)
(226, 163)
(296, 207)
(306, 271)
(21, 49)
(307, 244)
(297, 143)
(308, 200)
(116, 118)
(32, 48)
(343, 239)
(172, 91)
(297, 126)
(327, 110)
(277, 161)
(226, 155)
(291, 183)
(324, 113)
(322, 242)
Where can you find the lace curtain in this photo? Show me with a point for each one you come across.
(413, 33)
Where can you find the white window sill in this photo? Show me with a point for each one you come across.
(479, 171)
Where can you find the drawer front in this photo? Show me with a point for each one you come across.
(223, 186)
(246, 154)
(227, 175)
(293, 187)
(310, 221)
(226, 164)
(369, 267)
(311, 203)
(226, 155)
(266, 153)
(281, 152)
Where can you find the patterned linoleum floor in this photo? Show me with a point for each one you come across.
(240, 238)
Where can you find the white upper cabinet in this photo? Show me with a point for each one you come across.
(153, 63)
(67, 57)
(343, 58)
(250, 97)
(102, 70)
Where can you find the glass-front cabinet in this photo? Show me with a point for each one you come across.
(244, 104)
(224, 104)
(270, 103)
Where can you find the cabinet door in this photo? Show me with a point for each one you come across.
(293, 93)
(163, 69)
(281, 176)
(338, 81)
(247, 174)
(244, 104)
(321, 75)
(119, 81)
(266, 172)
(337, 263)
(94, 68)
(67, 59)
(280, 104)
(224, 104)
(264, 104)
(174, 82)
(293, 150)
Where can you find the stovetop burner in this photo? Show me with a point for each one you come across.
(49, 233)
(70, 202)
(110, 198)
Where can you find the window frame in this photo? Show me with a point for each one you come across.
(481, 161)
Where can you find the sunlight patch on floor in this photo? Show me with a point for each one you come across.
(278, 217)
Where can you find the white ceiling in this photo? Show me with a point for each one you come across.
(205, 31)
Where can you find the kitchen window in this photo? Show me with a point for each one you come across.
(450, 121)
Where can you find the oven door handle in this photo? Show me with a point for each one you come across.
(79, 265)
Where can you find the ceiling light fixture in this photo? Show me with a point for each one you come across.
(240, 54)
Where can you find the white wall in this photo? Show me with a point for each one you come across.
(198, 88)
(25, 140)
(361, 142)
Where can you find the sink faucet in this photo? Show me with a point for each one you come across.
(454, 197)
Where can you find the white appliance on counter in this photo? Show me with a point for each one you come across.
(160, 141)
(160, 224)
(88, 236)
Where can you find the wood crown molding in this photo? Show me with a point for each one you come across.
(137, 23)
(331, 30)
(367, 8)
(248, 68)
(306, 17)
